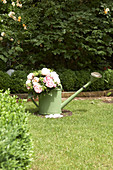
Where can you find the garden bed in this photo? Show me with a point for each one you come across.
(105, 93)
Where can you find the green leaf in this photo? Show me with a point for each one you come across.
(19, 49)
(3, 58)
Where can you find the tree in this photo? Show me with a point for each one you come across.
(11, 29)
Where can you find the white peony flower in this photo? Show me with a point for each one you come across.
(30, 76)
(55, 76)
(36, 79)
(45, 71)
(28, 82)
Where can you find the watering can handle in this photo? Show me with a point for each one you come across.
(34, 102)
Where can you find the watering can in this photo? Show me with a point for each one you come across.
(51, 104)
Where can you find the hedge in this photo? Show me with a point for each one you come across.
(15, 139)
(5, 81)
(18, 79)
(71, 80)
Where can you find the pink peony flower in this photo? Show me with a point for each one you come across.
(49, 82)
(37, 88)
(28, 88)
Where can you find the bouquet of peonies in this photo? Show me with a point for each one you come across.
(42, 81)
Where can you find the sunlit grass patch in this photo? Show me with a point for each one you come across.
(81, 141)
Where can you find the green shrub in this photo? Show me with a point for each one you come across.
(3, 66)
(18, 79)
(74, 80)
(108, 78)
(99, 84)
(5, 81)
(82, 77)
(68, 79)
(15, 140)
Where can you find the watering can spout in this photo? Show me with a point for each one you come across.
(94, 77)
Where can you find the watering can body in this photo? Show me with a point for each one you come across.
(50, 103)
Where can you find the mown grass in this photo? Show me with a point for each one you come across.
(81, 141)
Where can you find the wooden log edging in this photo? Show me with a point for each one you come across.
(82, 94)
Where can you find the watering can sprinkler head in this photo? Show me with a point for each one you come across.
(95, 76)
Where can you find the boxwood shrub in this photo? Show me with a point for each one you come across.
(82, 77)
(68, 79)
(74, 80)
(99, 84)
(3, 65)
(18, 79)
(108, 77)
(15, 140)
(5, 81)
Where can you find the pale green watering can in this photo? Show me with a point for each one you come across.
(52, 104)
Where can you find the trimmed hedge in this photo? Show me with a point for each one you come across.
(3, 65)
(74, 80)
(67, 78)
(71, 80)
(15, 140)
(5, 81)
(18, 79)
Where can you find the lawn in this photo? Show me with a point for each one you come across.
(81, 141)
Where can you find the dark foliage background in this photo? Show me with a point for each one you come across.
(74, 34)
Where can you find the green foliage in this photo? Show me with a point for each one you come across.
(108, 77)
(3, 65)
(76, 33)
(68, 79)
(15, 140)
(74, 80)
(18, 79)
(82, 77)
(68, 31)
(5, 81)
(13, 31)
(99, 84)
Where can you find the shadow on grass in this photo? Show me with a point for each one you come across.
(32, 110)
(79, 111)
(30, 107)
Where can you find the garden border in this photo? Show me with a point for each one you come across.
(105, 93)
